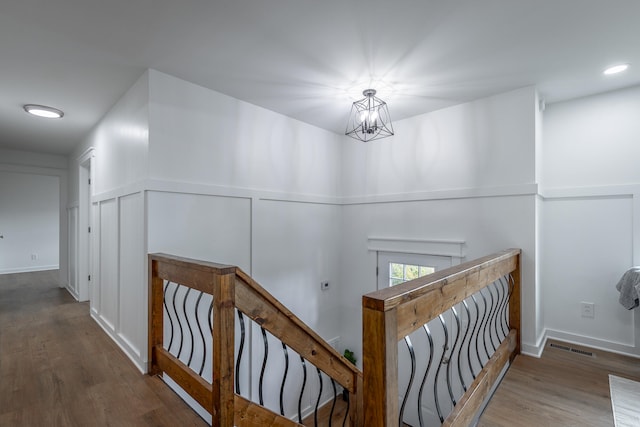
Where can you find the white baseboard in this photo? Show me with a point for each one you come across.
(29, 269)
(71, 291)
(131, 353)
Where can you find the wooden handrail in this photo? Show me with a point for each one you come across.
(232, 288)
(393, 313)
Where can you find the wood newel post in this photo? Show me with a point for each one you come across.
(156, 315)
(380, 367)
(515, 305)
(223, 349)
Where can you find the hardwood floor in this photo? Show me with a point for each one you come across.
(560, 389)
(58, 368)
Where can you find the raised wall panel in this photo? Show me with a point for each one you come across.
(587, 246)
(210, 228)
(109, 262)
(132, 303)
(73, 250)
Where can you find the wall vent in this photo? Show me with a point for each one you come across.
(572, 350)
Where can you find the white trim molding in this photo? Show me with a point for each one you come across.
(452, 248)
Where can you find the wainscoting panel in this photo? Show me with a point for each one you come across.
(131, 292)
(109, 263)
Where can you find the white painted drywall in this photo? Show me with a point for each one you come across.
(590, 232)
(29, 222)
(202, 136)
(485, 143)
(120, 141)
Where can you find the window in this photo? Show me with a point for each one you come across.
(396, 267)
(399, 273)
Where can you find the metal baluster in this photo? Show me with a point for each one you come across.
(484, 329)
(498, 319)
(240, 350)
(335, 398)
(473, 331)
(284, 377)
(492, 314)
(264, 364)
(464, 338)
(442, 361)
(346, 412)
(210, 316)
(179, 322)
(505, 304)
(186, 317)
(453, 349)
(407, 340)
(424, 379)
(304, 383)
(204, 344)
(512, 285)
(315, 412)
(164, 302)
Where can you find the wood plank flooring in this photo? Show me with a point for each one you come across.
(58, 368)
(560, 389)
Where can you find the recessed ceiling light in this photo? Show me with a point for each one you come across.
(616, 69)
(43, 111)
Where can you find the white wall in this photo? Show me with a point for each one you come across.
(29, 222)
(25, 176)
(465, 173)
(591, 223)
(202, 136)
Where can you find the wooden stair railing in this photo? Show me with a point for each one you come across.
(391, 314)
(231, 289)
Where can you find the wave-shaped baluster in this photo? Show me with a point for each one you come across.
(264, 365)
(304, 383)
(442, 361)
(505, 306)
(483, 326)
(464, 339)
(512, 284)
(204, 344)
(184, 308)
(426, 373)
(315, 412)
(473, 332)
(453, 349)
(412, 354)
(240, 350)
(175, 310)
(501, 301)
(164, 302)
(284, 377)
(346, 412)
(492, 312)
(335, 398)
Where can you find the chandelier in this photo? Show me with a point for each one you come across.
(369, 118)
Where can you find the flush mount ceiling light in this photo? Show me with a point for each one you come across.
(369, 118)
(43, 111)
(616, 69)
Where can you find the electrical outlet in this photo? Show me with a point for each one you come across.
(587, 309)
(34, 257)
(324, 286)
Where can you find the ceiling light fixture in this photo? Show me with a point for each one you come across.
(616, 69)
(369, 118)
(43, 111)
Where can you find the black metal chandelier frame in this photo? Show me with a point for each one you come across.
(369, 118)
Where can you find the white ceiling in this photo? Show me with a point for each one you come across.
(306, 59)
